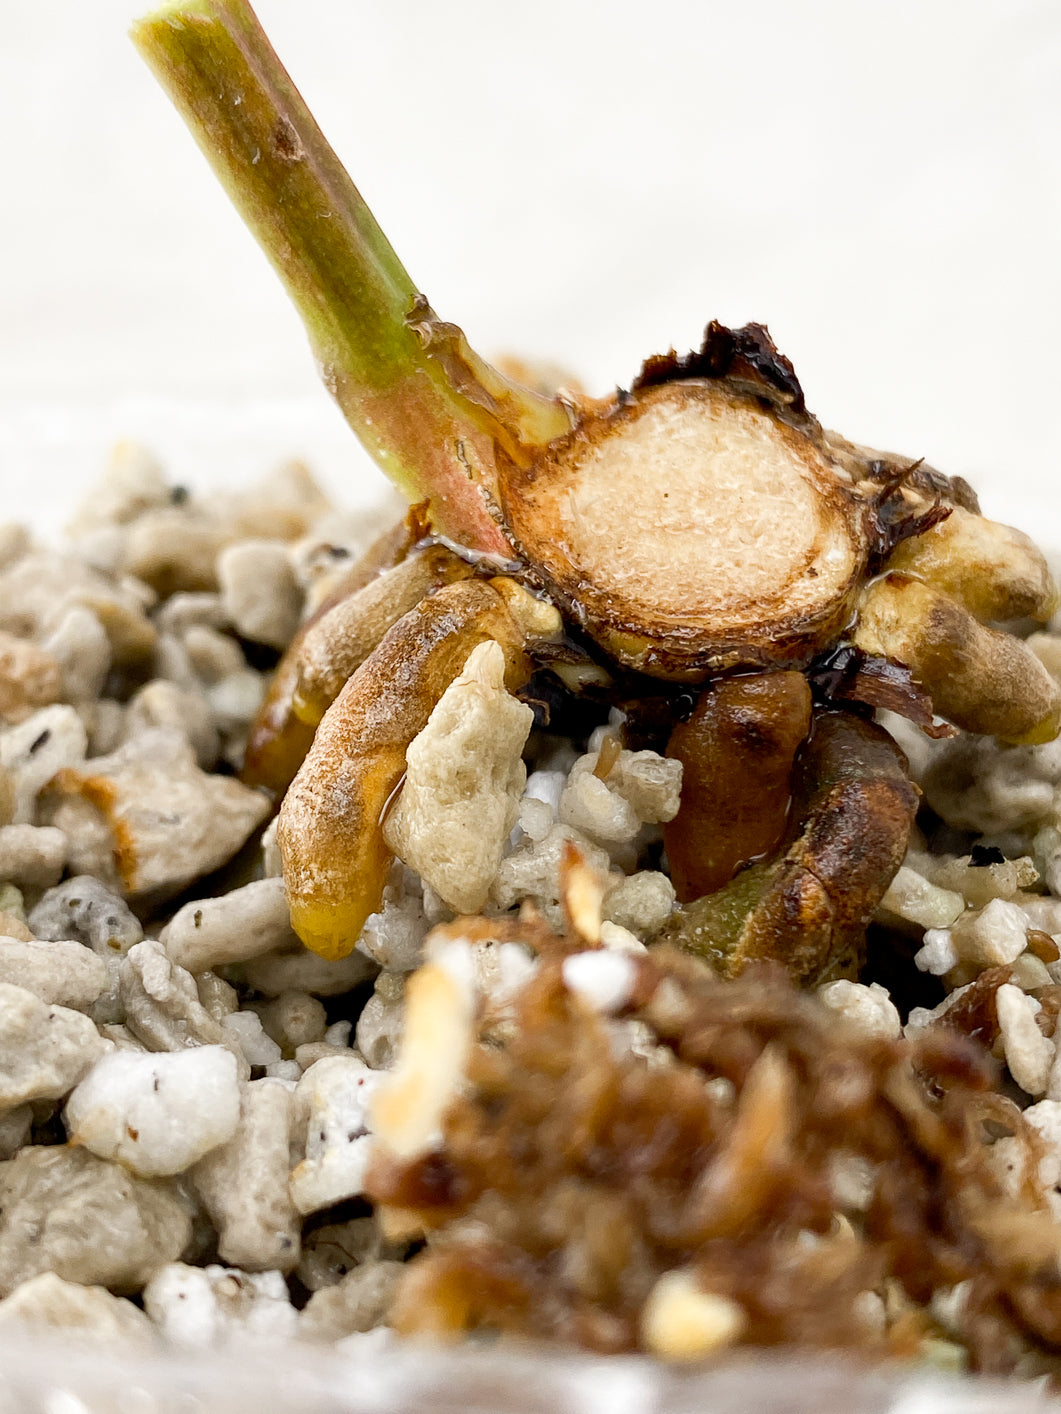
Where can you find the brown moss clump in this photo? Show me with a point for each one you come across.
(779, 1160)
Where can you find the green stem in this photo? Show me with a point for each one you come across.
(430, 412)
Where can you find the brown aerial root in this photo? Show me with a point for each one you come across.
(330, 824)
(981, 679)
(278, 739)
(737, 751)
(579, 1191)
(853, 806)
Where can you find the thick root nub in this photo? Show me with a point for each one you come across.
(809, 909)
(737, 751)
(692, 528)
(979, 679)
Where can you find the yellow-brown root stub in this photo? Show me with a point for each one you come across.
(338, 643)
(691, 528)
(978, 678)
(996, 572)
(737, 752)
(278, 740)
(330, 825)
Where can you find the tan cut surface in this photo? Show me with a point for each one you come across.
(694, 519)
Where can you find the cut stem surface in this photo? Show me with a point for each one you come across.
(693, 529)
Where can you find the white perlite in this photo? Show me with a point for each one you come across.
(164, 704)
(650, 782)
(37, 592)
(978, 884)
(1045, 1119)
(603, 979)
(233, 927)
(870, 1009)
(620, 939)
(533, 870)
(82, 1313)
(641, 788)
(243, 1183)
(993, 937)
(199, 1307)
(937, 953)
(464, 779)
(83, 909)
(334, 1095)
(1029, 1054)
(641, 903)
(975, 783)
(156, 1114)
(382, 1021)
(912, 897)
(80, 645)
(131, 483)
(394, 936)
(539, 807)
(588, 805)
(294, 1019)
(245, 1028)
(44, 1050)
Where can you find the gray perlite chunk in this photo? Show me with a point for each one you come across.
(32, 752)
(233, 927)
(80, 645)
(463, 782)
(85, 910)
(243, 1184)
(259, 591)
(165, 704)
(32, 856)
(64, 974)
(14, 1130)
(357, 1303)
(294, 1019)
(164, 821)
(44, 1050)
(37, 592)
(162, 1006)
(88, 1313)
(303, 971)
(30, 677)
(89, 1221)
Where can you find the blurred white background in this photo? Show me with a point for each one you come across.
(881, 184)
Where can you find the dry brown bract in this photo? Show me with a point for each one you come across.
(757, 1172)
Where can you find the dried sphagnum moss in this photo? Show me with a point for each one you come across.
(786, 1164)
